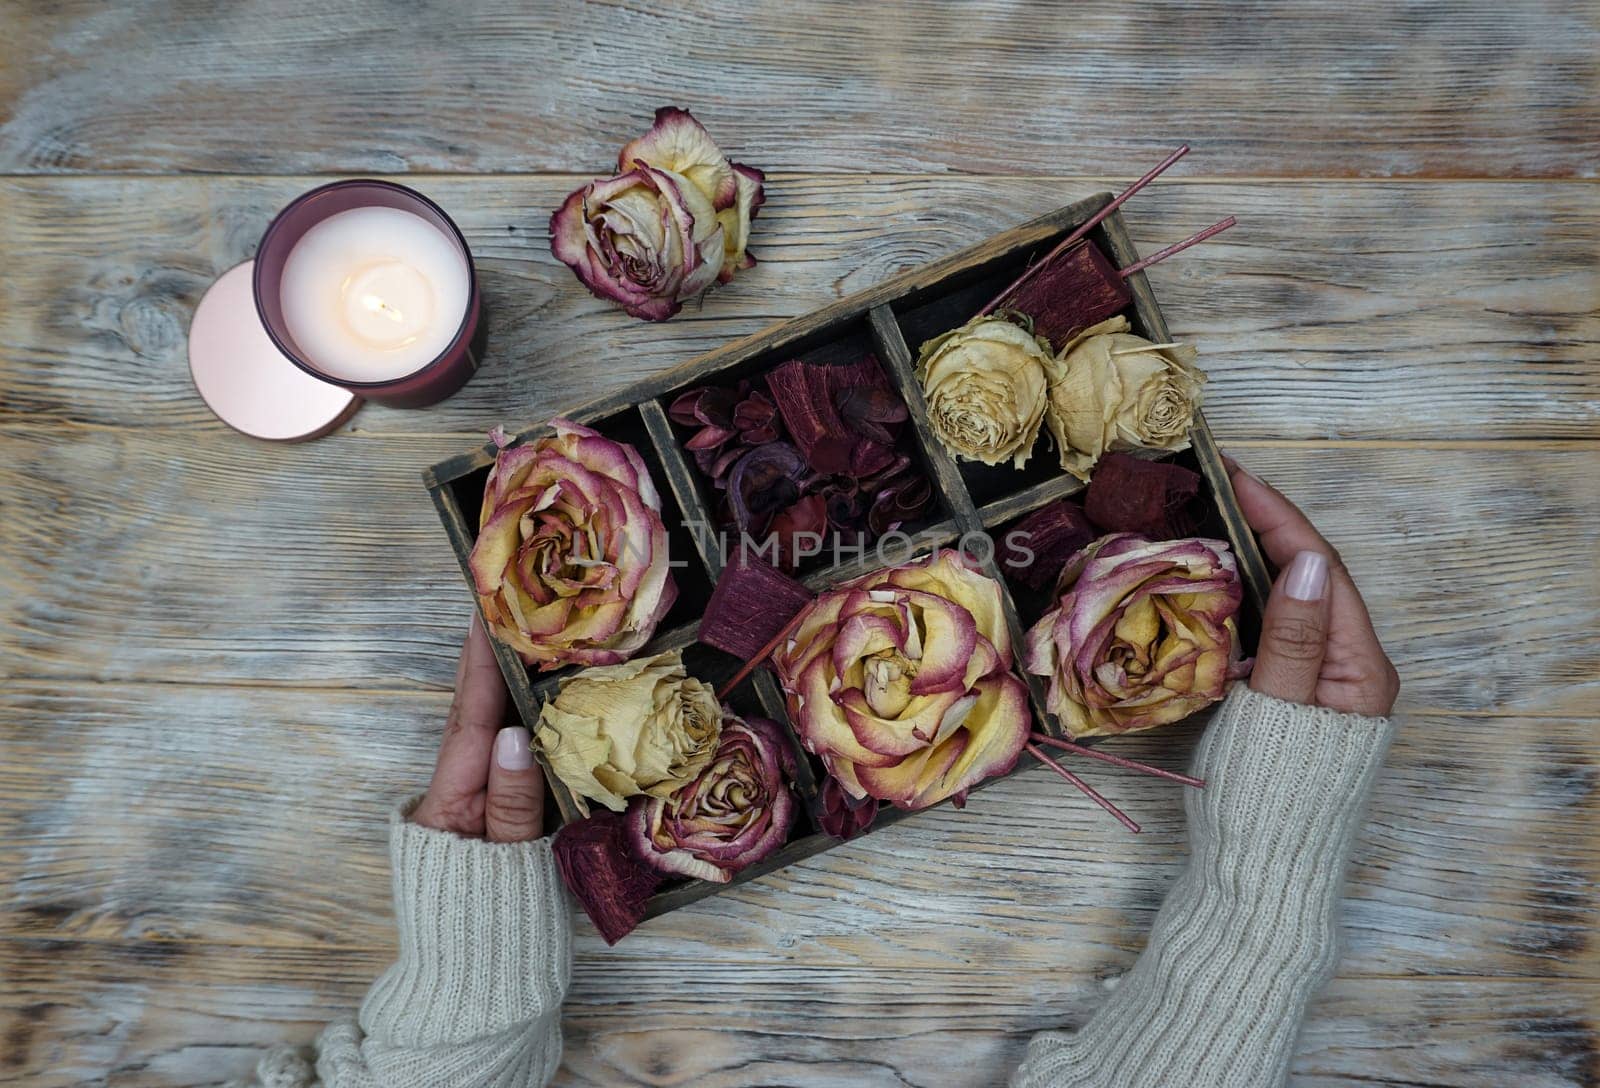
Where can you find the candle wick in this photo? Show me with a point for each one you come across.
(378, 306)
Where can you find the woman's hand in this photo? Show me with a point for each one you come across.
(485, 782)
(1317, 642)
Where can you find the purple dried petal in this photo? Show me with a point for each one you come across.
(754, 411)
(709, 438)
(842, 816)
(603, 875)
(682, 410)
(758, 436)
(751, 603)
(895, 505)
(719, 468)
(762, 482)
(810, 516)
(1054, 534)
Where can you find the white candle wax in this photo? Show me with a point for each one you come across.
(374, 294)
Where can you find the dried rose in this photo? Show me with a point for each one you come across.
(571, 560)
(674, 220)
(600, 870)
(1112, 390)
(986, 388)
(614, 732)
(734, 814)
(1144, 634)
(901, 682)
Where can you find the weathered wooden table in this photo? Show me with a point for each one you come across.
(223, 660)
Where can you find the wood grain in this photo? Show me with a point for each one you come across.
(145, 1014)
(118, 791)
(1378, 311)
(223, 660)
(1359, 89)
(220, 560)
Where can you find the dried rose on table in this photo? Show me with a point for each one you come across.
(734, 814)
(674, 220)
(1143, 634)
(600, 870)
(642, 727)
(986, 386)
(901, 682)
(571, 562)
(1112, 390)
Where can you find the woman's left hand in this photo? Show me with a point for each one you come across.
(485, 783)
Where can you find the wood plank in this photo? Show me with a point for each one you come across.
(219, 560)
(257, 817)
(1378, 311)
(131, 1015)
(1361, 89)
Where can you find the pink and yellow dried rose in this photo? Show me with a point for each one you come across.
(571, 563)
(901, 682)
(1143, 634)
(673, 220)
(734, 814)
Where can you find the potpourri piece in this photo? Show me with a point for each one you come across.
(751, 603)
(1156, 499)
(805, 451)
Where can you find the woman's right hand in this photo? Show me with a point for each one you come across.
(1317, 642)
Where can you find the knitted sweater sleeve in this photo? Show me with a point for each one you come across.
(1248, 933)
(474, 998)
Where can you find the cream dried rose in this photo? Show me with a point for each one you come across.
(642, 727)
(986, 387)
(1112, 390)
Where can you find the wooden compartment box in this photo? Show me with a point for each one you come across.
(890, 321)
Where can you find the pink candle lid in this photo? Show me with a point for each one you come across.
(243, 377)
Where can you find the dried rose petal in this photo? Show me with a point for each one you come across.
(1156, 499)
(841, 815)
(751, 603)
(1051, 535)
(608, 881)
(809, 516)
(762, 482)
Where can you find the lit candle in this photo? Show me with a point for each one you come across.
(374, 294)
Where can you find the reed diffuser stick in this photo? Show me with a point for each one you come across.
(1118, 761)
(1088, 790)
(1085, 227)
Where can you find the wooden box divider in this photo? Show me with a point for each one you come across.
(884, 319)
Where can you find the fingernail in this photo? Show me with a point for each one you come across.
(511, 749)
(1240, 466)
(1307, 579)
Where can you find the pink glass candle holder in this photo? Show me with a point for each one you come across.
(369, 291)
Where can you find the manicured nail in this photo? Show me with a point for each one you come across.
(1234, 461)
(511, 749)
(1307, 579)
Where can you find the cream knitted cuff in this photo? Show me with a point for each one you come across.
(1248, 932)
(484, 934)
